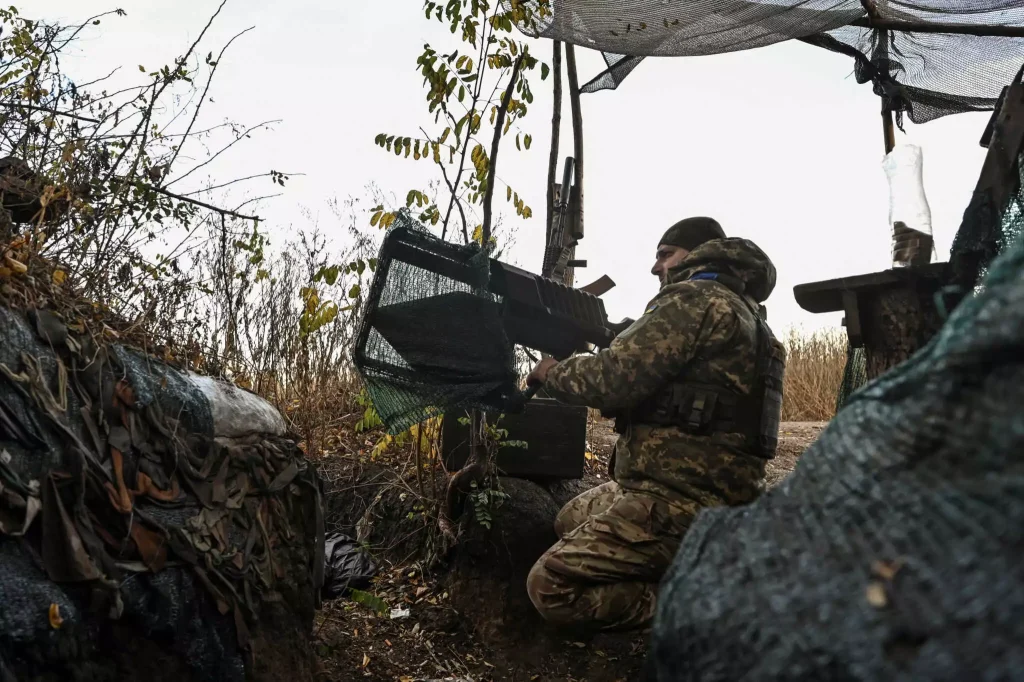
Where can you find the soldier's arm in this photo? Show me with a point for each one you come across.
(650, 353)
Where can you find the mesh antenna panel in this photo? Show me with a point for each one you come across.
(442, 322)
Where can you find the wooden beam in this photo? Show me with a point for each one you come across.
(985, 31)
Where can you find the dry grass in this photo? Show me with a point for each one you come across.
(814, 371)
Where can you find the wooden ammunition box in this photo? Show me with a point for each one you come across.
(555, 435)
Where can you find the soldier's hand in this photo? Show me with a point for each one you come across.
(539, 374)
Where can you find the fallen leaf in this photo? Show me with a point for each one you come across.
(886, 570)
(55, 620)
(366, 661)
(388, 642)
(404, 678)
(580, 645)
(875, 594)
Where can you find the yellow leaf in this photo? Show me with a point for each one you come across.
(55, 620)
(15, 266)
(366, 661)
(58, 277)
(588, 455)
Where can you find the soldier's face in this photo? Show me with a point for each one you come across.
(667, 258)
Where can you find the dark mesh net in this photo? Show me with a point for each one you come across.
(984, 233)
(925, 74)
(892, 552)
(432, 342)
(854, 375)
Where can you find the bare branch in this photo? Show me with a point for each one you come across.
(245, 133)
(238, 180)
(203, 204)
(209, 81)
(485, 236)
(31, 107)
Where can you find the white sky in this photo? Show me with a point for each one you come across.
(780, 144)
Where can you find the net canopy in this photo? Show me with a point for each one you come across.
(935, 70)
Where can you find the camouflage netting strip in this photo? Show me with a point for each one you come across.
(893, 551)
(118, 504)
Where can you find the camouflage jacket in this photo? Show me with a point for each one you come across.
(694, 330)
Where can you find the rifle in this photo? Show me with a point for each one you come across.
(556, 252)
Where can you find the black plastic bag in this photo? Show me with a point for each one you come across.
(346, 566)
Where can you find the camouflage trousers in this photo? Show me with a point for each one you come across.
(615, 547)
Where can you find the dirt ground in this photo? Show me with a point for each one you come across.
(416, 635)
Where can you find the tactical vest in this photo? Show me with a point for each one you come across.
(703, 409)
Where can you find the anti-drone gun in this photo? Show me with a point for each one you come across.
(441, 323)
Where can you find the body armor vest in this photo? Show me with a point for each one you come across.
(704, 409)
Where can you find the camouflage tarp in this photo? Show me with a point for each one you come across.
(131, 501)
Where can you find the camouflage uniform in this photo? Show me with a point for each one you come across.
(618, 539)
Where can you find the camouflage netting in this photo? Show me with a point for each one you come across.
(893, 551)
(925, 74)
(129, 520)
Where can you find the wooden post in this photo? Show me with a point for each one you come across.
(556, 124)
(577, 138)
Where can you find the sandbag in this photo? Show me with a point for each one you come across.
(895, 550)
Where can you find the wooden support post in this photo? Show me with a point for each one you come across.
(888, 129)
(577, 137)
(556, 125)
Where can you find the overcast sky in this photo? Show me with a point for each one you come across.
(780, 144)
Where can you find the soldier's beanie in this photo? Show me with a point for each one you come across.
(690, 233)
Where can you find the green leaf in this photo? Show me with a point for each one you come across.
(354, 291)
(370, 601)
(544, 71)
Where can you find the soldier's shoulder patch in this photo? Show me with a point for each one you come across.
(651, 308)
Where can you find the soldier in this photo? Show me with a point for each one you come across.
(695, 386)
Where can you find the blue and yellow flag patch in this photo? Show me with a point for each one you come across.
(651, 308)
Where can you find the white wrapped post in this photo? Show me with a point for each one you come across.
(909, 213)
